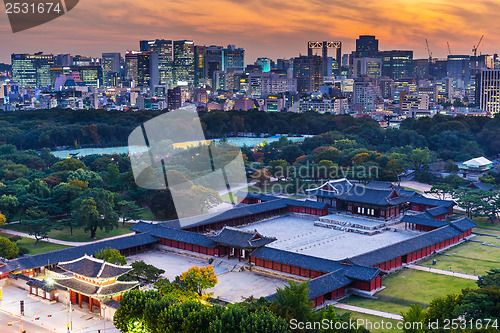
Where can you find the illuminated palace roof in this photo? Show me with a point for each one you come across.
(91, 267)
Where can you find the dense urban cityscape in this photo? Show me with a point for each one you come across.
(253, 173)
(387, 85)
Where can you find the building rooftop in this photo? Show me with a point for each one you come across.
(94, 268)
(241, 238)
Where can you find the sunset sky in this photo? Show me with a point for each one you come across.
(272, 28)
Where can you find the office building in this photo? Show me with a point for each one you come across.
(164, 49)
(397, 64)
(411, 102)
(489, 90)
(459, 68)
(366, 47)
(131, 70)
(184, 67)
(147, 69)
(308, 70)
(264, 63)
(200, 68)
(234, 58)
(370, 67)
(63, 60)
(111, 69)
(32, 70)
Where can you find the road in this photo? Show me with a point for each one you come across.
(6, 319)
(443, 272)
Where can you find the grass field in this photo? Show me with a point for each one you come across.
(41, 247)
(411, 287)
(486, 227)
(368, 320)
(488, 240)
(411, 189)
(253, 188)
(469, 258)
(79, 235)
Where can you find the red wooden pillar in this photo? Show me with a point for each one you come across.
(80, 299)
(90, 303)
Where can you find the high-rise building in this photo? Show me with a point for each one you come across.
(147, 69)
(489, 90)
(234, 58)
(131, 60)
(91, 75)
(371, 67)
(63, 60)
(32, 70)
(214, 60)
(184, 67)
(164, 48)
(264, 63)
(111, 69)
(308, 70)
(366, 47)
(397, 64)
(200, 68)
(459, 68)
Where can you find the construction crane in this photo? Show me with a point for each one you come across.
(449, 50)
(474, 49)
(428, 50)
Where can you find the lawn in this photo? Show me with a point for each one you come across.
(411, 287)
(486, 227)
(41, 247)
(469, 258)
(79, 234)
(252, 188)
(368, 320)
(488, 240)
(411, 189)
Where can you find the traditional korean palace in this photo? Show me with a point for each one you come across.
(217, 235)
(92, 281)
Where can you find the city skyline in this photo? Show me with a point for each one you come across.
(276, 30)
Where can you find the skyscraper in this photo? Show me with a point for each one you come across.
(200, 68)
(131, 73)
(214, 60)
(147, 69)
(164, 49)
(459, 67)
(234, 58)
(397, 64)
(489, 90)
(366, 47)
(308, 70)
(32, 70)
(111, 69)
(184, 68)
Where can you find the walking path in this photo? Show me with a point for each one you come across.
(441, 271)
(382, 314)
(58, 241)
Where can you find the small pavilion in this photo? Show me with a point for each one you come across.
(90, 280)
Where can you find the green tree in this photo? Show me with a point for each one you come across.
(492, 278)
(93, 178)
(415, 314)
(144, 271)
(111, 255)
(37, 223)
(132, 306)
(95, 209)
(113, 175)
(279, 169)
(264, 321)
(230, 320)
(3, 219)
(68, 164)
(8, 249)
(418, 158)
(293, 301)
(8, 205)
(128, 211)
(441, 191)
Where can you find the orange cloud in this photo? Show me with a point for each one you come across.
(274, 28)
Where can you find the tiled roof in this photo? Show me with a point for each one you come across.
(94, 268)
(241, 238)
(436, 211)
(161, 231)
(54, 257)
(96, 291)
(327, 283)
(463, 224)
(376, 184)
(372, 196)
(392, 251)
(306, 203)
(297, 259)
(322, 193)
(420, 199)
(422, 220)
(339, 185)
(481, 186)
(226, 215)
